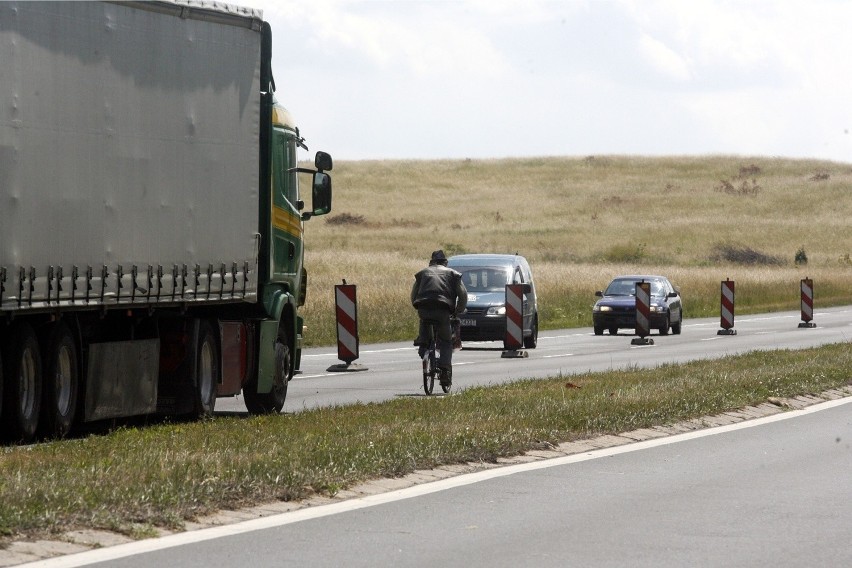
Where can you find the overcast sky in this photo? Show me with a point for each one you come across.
(492, 79)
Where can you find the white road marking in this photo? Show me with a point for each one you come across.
(202, 535)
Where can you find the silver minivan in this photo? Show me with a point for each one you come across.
(485, 276)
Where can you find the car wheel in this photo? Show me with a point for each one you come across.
(664, 329)
(676, 326)
(613, 331)
(599, 330)
(531, 341)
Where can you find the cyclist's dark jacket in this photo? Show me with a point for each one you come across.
(436, 286)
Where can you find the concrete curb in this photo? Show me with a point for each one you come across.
(24, 551)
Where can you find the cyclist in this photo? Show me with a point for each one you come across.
(438, 293)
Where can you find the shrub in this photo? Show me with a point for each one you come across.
(346, 219)
(625, 253)
(745, 188)
(744, 255)
(801, 257)
(750, 171)
(451, 249)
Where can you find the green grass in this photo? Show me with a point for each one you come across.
(581, 221)
(133, 479)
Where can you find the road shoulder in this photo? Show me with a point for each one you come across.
(23, 552)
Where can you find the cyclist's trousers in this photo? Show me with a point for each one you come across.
(445, 333)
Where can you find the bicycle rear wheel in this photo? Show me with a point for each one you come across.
(428, 376)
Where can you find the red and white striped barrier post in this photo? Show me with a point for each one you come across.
(727, 308)
(807, 303)
(346, 302)
(643, 314)
(514, 338)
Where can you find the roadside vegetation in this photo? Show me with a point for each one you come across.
(764, 222)
(135, 479)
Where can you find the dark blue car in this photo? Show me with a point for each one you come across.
(616, 308)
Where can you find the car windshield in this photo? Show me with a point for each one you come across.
(484, 279)
(627, 287)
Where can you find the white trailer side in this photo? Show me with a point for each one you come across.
(128, 173)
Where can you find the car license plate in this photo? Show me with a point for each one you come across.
(468, 323)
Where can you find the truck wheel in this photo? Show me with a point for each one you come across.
(22, 372)
(61, 382)
(206, 371)
(273, 401)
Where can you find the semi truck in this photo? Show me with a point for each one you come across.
(151, 221)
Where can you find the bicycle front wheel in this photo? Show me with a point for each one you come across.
(428, 376)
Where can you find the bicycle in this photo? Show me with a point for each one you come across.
(431, 371)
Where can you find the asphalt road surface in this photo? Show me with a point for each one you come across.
(393, 369)
(770, 492)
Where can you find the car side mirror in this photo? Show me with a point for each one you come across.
(599, 294)
(527, 288)
(673, 295)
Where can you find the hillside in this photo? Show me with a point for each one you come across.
(580, 221)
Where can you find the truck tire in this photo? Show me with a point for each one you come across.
(207, 372)
(273, 401)
(23, 378)
(61, 386)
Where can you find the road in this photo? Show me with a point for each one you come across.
(393, 369)
(772, 491)
(769, 492)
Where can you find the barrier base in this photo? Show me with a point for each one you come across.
(641, 341)
(807, 324)
(514, 354)
(726, 332)
(346, 367)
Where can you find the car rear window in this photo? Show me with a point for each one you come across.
(482, 279)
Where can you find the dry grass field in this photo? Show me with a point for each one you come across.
(581, 221)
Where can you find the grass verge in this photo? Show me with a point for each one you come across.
(164, 475)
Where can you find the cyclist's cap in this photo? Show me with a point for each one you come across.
(439, 256)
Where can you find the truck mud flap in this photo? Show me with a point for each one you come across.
(122, 379)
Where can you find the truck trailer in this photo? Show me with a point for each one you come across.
(151, 223)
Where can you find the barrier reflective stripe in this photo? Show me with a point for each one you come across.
(727, 304)
(514, 316)
(807, 299)
(345, 298)
(643, 308)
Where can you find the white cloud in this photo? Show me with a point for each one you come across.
(668, 61)
(493, 78)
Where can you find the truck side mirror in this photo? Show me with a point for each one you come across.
(321, 193)
(323, 162)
